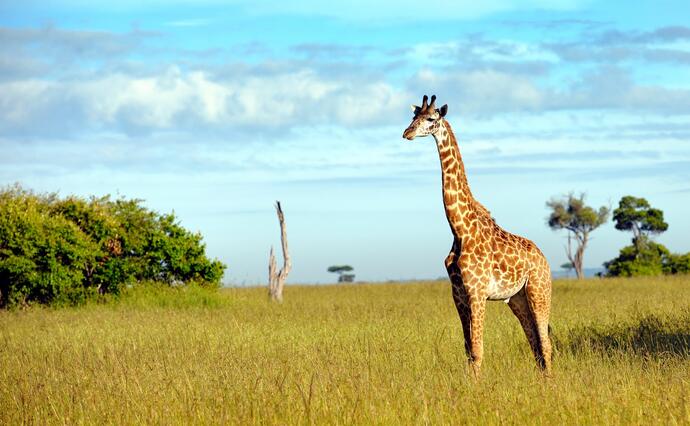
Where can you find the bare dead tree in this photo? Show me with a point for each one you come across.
(276, 279)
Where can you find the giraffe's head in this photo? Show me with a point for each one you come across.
(426, 120)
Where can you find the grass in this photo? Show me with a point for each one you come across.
(373, 354)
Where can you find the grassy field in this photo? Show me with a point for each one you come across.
(374, 354)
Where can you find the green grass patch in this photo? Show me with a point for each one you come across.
(363, 354)
(156, 295)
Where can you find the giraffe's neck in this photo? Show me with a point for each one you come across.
(457, 197)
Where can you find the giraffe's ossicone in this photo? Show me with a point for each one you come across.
(485, 262)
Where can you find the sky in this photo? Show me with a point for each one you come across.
(216, 109)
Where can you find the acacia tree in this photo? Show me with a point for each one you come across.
(636, 215)
(571, 213)
(567, 267)
(342, 276)
(644, 256)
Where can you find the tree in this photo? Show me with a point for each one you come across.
(636, 215)
(276, 279)
(571, 213)
(342, 276)
(567, 266)
(644, 256)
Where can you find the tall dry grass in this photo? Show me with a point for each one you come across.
(374, 354)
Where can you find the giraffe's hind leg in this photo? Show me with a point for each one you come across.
(520, 307)
(538, 290)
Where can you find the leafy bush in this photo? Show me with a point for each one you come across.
(630, 263)
(65, 250)
(677, 264)
(652, 259)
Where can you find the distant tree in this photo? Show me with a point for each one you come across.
(568, 266)
(644, 256)
(636, 215)
(571, 213)
(342, 276)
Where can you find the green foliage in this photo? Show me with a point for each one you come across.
(42, 256)
(573, 214)
(567, 266)
(63, 251)
(340, 268)
(631, 262)
(677, 264)
(652, 259)
(636, 215)
(342, 276)
(644, 256)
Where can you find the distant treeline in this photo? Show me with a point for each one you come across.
(66, 250)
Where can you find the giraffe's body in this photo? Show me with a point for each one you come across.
(485, 262)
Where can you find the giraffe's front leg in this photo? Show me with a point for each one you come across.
(476, 300)
(460, 298)
(470, 301)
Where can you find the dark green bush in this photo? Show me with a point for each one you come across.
(677, 264)
(631, 262)
(651, 259)
(65, 250)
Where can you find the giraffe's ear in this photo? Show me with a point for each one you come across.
(443, 110)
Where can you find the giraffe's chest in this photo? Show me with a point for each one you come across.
(503, 288)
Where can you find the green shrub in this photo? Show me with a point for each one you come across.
(651, 259)
(65, 250)
(677, 264)
(630, 263)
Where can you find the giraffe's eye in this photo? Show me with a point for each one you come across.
(430, 119)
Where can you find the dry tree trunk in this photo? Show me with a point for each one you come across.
(276, 280)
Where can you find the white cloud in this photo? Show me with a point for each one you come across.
(176, 100)
(478, 77)
(483, 91)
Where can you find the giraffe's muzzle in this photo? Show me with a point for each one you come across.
(408, 134)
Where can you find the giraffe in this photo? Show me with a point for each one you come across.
(485, 261)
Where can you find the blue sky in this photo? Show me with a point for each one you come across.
(216, 109)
